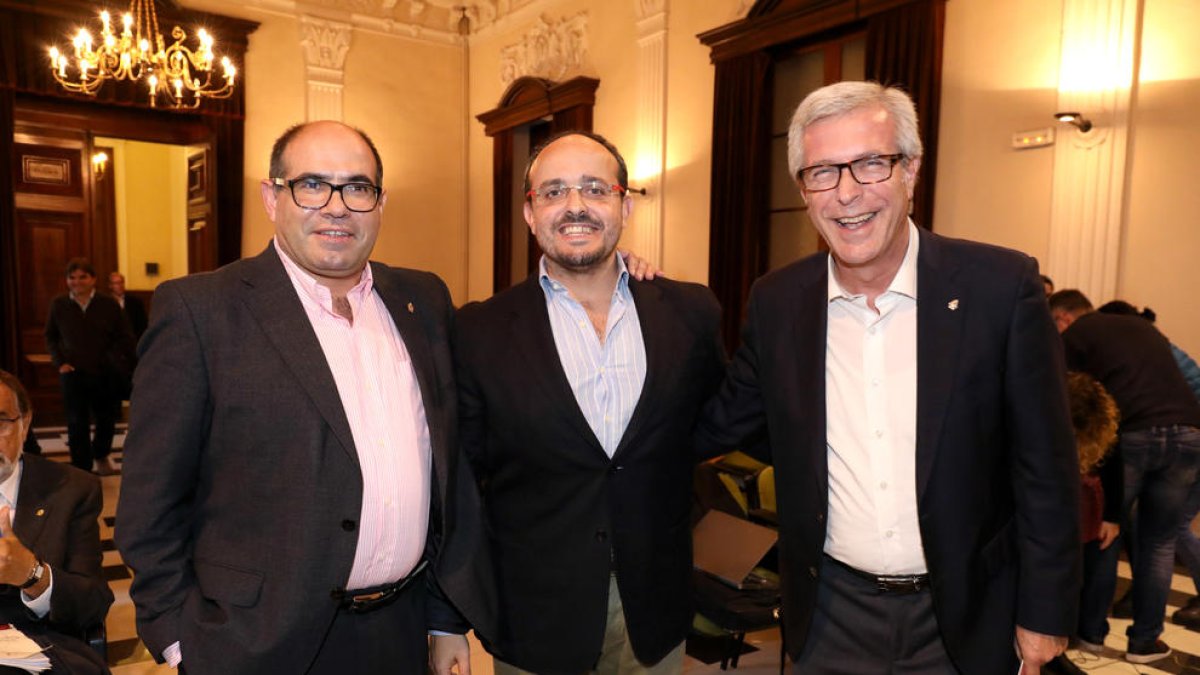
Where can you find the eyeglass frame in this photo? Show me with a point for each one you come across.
(619, 190)
(893, 159)
(333, 187)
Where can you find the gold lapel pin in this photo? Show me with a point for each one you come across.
(953, 304)
(40, 512)
(410, 308)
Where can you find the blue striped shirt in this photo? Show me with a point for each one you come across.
(607, 377)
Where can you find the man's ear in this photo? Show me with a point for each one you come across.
(270, 197)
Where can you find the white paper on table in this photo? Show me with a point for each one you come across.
(18, 651)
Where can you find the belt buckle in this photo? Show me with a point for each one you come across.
(368, 601)
(899, 584)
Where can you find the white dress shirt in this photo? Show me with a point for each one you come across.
(871, 418)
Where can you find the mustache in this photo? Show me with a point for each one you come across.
(582, 218)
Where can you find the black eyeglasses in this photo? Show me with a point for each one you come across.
(313, 193)
(865, 170)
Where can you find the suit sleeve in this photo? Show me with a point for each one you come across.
(81, 596)
(736, 415)
(167, 431)
(1045, 468)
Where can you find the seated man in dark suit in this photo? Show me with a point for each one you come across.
(51, 587)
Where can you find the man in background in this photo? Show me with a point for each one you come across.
(91, 345)
(132, 305)
(51, 584)
(578, 392)
(1159, 444)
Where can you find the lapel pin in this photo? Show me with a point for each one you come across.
(410, 308)
(41, 512)
(953, 304)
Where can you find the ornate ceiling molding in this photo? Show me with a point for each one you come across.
(325, 45)
(548, 50)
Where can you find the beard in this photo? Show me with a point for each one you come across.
(576, 260)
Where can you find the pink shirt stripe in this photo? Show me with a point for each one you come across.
(382, 401)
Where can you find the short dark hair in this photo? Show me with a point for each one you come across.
(285, 139)
(1048, 281)
(1124, 308)
(622, 169)
(1070, 300)
(24, 405)
(80, 264)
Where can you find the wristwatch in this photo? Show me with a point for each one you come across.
(35, 575)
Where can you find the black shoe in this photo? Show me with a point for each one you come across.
(1189, 614)
(1123, 608)
(1147, 653)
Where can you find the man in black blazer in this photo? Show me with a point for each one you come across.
(51, 584)
(912, 393)
(578, 391)
(291, 501)
(132, 305)
(91, 345)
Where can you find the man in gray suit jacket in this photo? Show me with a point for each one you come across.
(291, 499)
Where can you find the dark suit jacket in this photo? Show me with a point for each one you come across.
(58, 509)
(242, 489)
(98, 341)
(997, 476)
(561, 514)
(135, 311)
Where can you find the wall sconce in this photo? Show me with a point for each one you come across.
(1075, 119)
(99, 163)
(640, 191)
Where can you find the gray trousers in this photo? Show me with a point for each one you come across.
(858, 630)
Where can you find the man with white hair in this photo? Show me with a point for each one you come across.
(912, 390)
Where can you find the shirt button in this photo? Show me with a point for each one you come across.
(875, 382)
(349, 525)
(888, 534)
(601, 536)
(601, 370)
(871, 330)
(607, 418)
(879, 433)
(883, 485)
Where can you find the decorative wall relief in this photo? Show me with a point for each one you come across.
(325, 46)
(549, 50)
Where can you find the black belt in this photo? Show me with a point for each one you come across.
(887, 583)
(375, 597)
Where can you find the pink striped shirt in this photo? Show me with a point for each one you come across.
(382, 401)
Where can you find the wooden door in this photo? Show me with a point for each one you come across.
(202, 239)
(52, 226)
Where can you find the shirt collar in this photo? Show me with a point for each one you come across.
(905, 281)
(83, 300)
(318, 293)
(550, 285)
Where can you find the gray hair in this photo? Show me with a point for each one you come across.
(842, 98)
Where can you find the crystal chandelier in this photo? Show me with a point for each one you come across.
(182, 76)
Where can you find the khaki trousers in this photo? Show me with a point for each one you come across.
(616, 657)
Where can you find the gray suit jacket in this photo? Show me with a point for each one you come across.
(242, 489)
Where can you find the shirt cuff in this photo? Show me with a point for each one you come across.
(40, 606)
(173, 655)
(442, 633)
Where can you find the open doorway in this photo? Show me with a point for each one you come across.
(144, 192)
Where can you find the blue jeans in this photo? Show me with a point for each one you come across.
(1161, 468)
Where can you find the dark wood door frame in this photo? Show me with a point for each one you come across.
(528, 99)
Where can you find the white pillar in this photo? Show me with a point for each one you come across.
(325, 45)
(650, 157)
(1096, 75)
